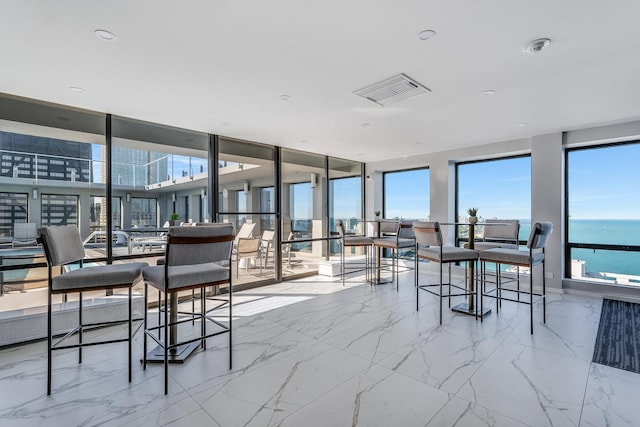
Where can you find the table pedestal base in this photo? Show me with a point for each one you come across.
(464, 309)
(380, 281)
(182, 353)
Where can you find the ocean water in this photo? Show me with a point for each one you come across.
(603, 231)
(611, 232)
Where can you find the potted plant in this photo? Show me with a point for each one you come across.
(377, 214)
(473, 219)
(174, 219)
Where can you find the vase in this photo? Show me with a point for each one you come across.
(473, 220)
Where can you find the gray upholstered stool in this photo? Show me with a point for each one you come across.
(394, 235)
(540, 233)
(351, 242)
(429, 246)
(62, 245)
(195, 258)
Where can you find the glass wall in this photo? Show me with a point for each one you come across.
(246, 181)
(58, 167)
(345, 201)
(156, 171)
(304, 212)
(50, 163)
(499, 188)
(603, 219)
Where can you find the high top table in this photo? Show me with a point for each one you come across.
(377, 280)
(469, 306)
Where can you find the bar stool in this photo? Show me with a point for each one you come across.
(395, 235)
(62, 246)
(354, 241)
(429, 246)
(540, 233)
(195, 258)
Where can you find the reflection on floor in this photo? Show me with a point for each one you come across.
(311, 352)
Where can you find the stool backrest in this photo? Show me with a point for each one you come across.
(340, 228)
(540, 233)
(503, 230)
(199, 245)
(406, 230)
(427, 233)
(62, 244)
(389, 227)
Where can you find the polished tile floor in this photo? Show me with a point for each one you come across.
(311, 352)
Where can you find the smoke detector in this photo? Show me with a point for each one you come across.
(536, 46)
(392, 90)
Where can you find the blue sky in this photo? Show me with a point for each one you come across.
(498, 188)
(604, 183)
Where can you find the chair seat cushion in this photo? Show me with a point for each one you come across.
(392, 242)
(357, 241)
(484, 246)
(510, 256)
(449, 254)
(186, 276)
(101, 276)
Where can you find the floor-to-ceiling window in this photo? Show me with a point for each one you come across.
(59, 166)
(603, 214)
(499, 188)
(50, 162)
(246, 180)
(156, 171)
(345, 201)
(304, 211)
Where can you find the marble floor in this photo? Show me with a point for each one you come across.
(312, 353)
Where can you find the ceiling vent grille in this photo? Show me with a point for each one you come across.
(392, 90)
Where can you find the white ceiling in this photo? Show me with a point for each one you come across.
(202, 63)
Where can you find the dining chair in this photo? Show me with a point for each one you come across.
(62, 247)
(531, 258)
(352, 241)
(248, 249)
(266, 245)
(395, 236)
(195, 258)
(429, 246)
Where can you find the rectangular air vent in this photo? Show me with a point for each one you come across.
(392, 90)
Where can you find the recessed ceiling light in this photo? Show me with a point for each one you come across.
(489, 92)
(523, 124)
(359, 154)
(426, 34)
(76, 89)
(226, 123)
(366, 125)
(285, 97)
(303, 141)
(105, 35)
(536, 46)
